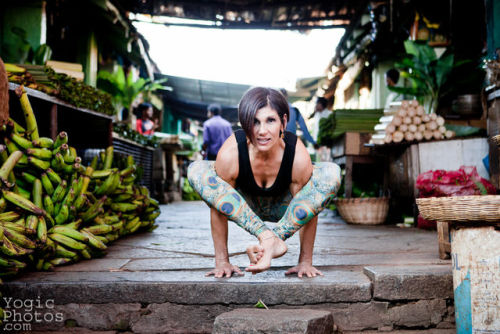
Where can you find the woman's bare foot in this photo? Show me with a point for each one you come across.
(254, 253)
(270, 247)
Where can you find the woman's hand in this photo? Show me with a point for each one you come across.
(304, 268)
(226, 269)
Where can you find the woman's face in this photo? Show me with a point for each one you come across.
(266, 128)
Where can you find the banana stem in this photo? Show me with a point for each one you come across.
(8, 165)
(29, 116)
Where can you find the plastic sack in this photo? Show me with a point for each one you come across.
(441, 183)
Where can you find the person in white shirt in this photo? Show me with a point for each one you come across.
(320, 111)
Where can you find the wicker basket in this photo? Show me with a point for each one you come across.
(461, 208)
(366, 211)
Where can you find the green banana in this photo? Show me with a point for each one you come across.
(127, 171)
(59, 261)
(9, 216)
(122, 198)
(59, 192)
(22, 202)
(14, 68)
(86, 254)
(47, 266)
(62, 138)
(48, 205)
(41, 230)
(40, 153)
(37, 193)
(123, 207)
(20, 141)
(3, 204)
(94, 241)
(63, 214)
(10, 248)
(106, 185)
(74, 224)
(108, 160)
(98, 174)
(153, 215)
(64, 252)
(38, 163)
(69, 232)
(117, 226)
(132, 223)
(53, 176)
(66, 241)
(13, 226)
(31, 224)
(29, 116)
(80, 201)
(43, 142)
(30, 178)
(8, 165)
(99, 229)
(23, 192)
(93, 210)
(19, 239)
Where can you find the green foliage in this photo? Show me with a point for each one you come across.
(188, 193)
(426, 72)
(124, 89)
(21, 52)
(80, 94)
(326, 130)
(124, 131)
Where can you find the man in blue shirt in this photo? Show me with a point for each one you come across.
(295, 116)
(215, 131)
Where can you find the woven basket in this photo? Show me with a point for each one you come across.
(461, 208)
(366, 211)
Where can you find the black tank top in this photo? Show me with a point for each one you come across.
(246, 181)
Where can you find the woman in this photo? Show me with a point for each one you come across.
(264, 173)
(144, 125)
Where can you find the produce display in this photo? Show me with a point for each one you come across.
(347, 120)
(68, 89)
(409, 122)
(54, 210)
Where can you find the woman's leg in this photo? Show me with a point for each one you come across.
(219, 195)
(310, 200)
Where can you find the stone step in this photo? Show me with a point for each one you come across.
(287, 321)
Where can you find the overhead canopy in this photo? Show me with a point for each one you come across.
(254, 14)
(190, 97)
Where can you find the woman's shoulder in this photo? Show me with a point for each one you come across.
(226, 164)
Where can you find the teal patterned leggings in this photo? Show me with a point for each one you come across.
(250, 212)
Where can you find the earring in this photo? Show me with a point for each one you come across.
(282, 134)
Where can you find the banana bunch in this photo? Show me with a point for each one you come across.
(54, 210)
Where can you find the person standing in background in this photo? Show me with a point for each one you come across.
(145, 125)
(320, 112)
(296, 116)
(215, 131)
(391, 80)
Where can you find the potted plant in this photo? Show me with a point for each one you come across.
(428, 74)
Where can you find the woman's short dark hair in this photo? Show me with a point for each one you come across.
(258, 98)
(141, 108)
(393, 74)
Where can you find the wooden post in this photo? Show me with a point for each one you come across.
(348, 176)
(443, 240)
(53, 121)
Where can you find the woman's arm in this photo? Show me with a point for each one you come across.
(302, 168)
(226, 164)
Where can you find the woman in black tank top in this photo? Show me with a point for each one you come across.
(263, 173)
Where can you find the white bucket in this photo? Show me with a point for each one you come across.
(476, 279)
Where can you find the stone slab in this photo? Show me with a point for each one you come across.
(104, 265)
(253, 321)
(411, 282)
(192, 287)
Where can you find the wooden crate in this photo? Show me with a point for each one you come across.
(351, 143)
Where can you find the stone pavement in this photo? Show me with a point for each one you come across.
(375, 278)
